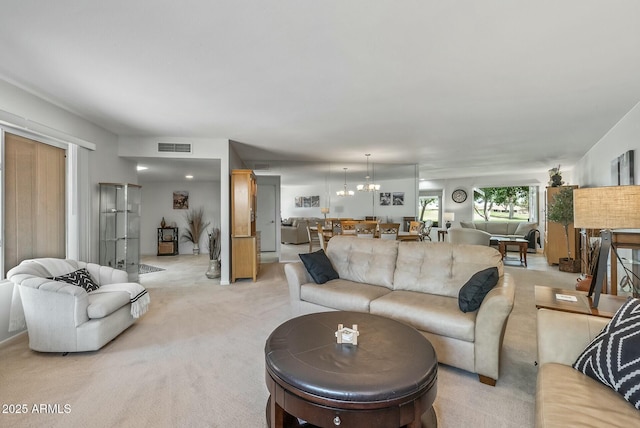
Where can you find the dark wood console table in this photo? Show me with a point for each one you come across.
(621, 240)
(546, 297)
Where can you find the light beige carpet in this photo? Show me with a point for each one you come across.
(196, 360)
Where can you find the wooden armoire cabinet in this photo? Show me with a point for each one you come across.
(245, 241)
(555, 245)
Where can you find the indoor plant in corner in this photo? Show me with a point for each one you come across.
(214, 254)
(195, 226)
(561, 211)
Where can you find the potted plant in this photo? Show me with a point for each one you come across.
(561, 211)
(214, 254)
(555, 177)
(195, 226)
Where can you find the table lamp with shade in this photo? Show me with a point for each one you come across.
(448, 218)
(325, 211)
(605, 208)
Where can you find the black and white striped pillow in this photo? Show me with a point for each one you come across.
(613, 357)
(80, 278)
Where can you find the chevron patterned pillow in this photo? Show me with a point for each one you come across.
(80, 278)
(613, 357)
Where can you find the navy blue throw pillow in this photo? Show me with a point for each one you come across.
(472, 293)
(613, 356)
(319, 266)
(79, 278)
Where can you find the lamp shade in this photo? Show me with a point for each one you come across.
(611, 207)
(449, 216)
(324, 210)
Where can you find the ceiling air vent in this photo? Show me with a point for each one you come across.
(261, 166)
(174, 147)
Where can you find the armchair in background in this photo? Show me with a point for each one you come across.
(458, 235)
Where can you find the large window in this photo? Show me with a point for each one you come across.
(429, 207)
(517, 203)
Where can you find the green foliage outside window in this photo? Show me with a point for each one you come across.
(510, 199)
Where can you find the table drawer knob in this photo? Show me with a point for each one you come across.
(336, 420)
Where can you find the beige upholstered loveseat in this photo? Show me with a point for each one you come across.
(416, 283)
(294, 229)
(564, 396)
(61, 317)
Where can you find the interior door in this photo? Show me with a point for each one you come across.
(266, 216)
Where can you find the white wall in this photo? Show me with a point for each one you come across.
(157, 202)
(23, 109)
(27, 111)
(594, 169)
(464, 211)
(202, 148)
(357, 206)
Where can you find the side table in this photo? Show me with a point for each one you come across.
(547, 297)
(522, 248)
(441, 234)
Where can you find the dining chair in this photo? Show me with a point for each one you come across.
(389, 230)
(365, 229)
(348, 227)
(313, 238)
(323, 237)
(414, 227)
(426, 230)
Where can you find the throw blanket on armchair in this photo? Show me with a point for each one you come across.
(139, 297)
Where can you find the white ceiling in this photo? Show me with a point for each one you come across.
(464, 88)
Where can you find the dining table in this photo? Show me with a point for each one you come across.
(402, 235)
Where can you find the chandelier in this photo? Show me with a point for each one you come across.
(344, 191)
(368, 187)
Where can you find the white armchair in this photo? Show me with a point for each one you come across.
(468, 236)
(61, 317)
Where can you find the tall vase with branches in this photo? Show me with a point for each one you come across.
(214, 254)
(195, 226)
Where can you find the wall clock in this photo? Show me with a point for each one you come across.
(459, 196)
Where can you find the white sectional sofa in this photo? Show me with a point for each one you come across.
(417, 283)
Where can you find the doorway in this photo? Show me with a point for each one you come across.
(267, 216)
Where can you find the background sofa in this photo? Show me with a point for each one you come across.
(564, 396)
(416, 283)
(294, 229)
(61, 317)
(508, 229)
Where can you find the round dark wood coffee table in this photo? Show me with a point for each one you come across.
(389, 379)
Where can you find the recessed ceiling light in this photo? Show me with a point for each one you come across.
(188, 177)
(141, 168)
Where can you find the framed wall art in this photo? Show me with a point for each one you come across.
(385, 198)
(622, 169)
(181, 200)
(307, 201)
(398, 198)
